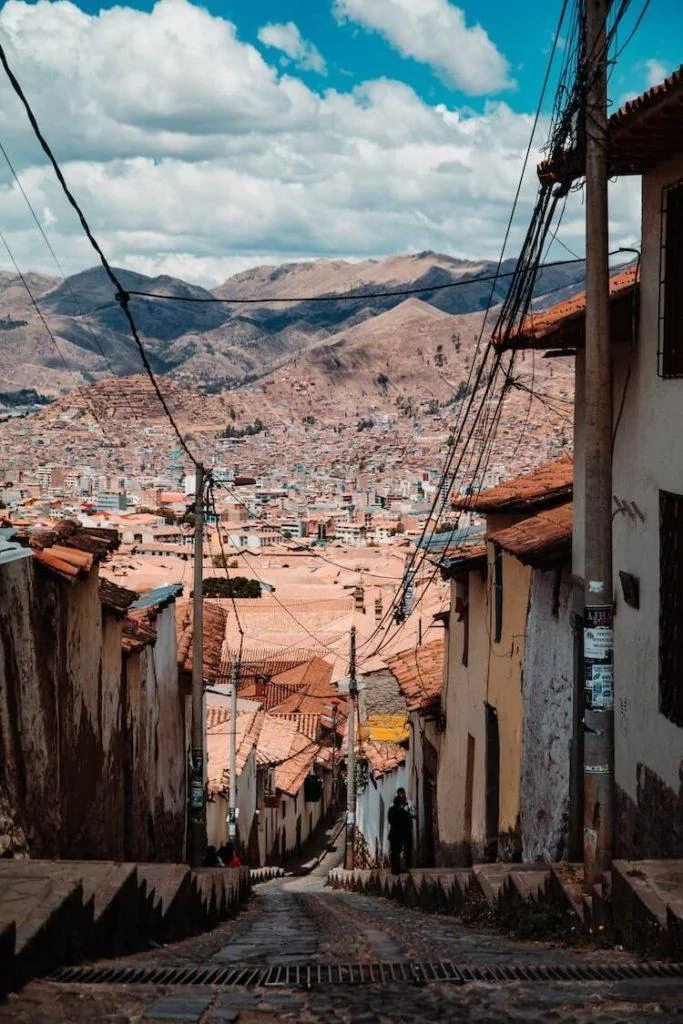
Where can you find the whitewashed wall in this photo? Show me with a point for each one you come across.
(372, 807)
(547, 692)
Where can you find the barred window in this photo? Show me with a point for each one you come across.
(671, 283)
(671, 606)
(498, 592)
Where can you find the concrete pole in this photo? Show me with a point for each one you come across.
(349, 854)
(232, 807)
(598, 770)
(197, 791)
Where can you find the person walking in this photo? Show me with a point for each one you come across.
(400, 833)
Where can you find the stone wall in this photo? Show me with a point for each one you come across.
(92, 757)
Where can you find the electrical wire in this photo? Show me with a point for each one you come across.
(346, 296)
(121, 295)
(48, 331)
(65, 280)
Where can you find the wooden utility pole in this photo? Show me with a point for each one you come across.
(349, 853)
(197, 790)
(598, 762)
(335, 708)
(232, 806)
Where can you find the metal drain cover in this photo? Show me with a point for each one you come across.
(313, 975)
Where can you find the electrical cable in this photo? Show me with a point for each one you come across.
(113, 443)
(65, 280)
(121, 295)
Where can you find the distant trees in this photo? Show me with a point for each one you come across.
(237, 586)
(248, 431)
(220, 562)
(8, 323)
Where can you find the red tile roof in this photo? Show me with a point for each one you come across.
(114, 597)
(248, 726)
(139, 629)
(550, 484)
(383, 757)
(540, 540)
(420, 674)
(645, 132)
(214, 619)
(67, 548)
(313, 676)
(563, 325)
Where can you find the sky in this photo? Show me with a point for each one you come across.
(203, 139)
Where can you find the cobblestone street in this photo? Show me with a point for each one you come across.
(298, 920)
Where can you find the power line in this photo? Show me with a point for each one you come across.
(66, 281)
(121, 295)
(48, 330)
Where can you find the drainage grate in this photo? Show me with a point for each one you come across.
(313, 975)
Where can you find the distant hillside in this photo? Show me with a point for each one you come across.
(218, 346)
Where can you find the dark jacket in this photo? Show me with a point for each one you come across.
(400, 822)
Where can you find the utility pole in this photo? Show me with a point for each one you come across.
(598, 761)
(197, 789)
(232, 806)
(349, 853)
(335, 707)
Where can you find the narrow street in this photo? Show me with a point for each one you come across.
(297, 920)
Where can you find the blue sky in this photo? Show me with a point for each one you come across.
(353, 54)
(203, 139)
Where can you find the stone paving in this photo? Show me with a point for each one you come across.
(298, 920)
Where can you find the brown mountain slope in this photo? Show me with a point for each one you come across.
(322, 277)
(404, 358)
(133, 400)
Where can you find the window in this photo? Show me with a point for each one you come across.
(671, 606)
(498, 592)
(671, 283)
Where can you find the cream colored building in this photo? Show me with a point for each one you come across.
(491, 760)
(647, 476)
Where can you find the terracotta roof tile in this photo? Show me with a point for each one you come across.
(248, 728)
(540, 540)
(550, 484)
(114, 597)
(420, 674)
(562, 326)
(313, 676)
(309, 724)
(214, 619)
(139, 630)
(383, 757)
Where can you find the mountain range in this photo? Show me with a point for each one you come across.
(380, 348)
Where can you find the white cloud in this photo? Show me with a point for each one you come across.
(656, 72)
(434, 32)
(191, 155)
(287, 38)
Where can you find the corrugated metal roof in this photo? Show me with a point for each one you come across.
(159, 596)
(11, 551)
(451, 538)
